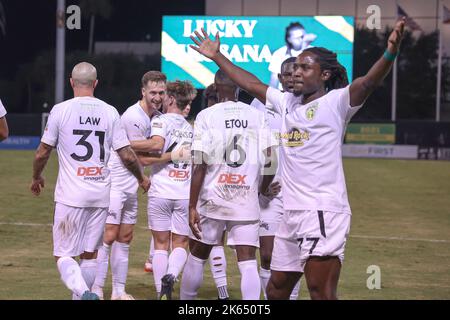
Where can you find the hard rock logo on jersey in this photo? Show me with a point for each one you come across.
(295, 137)
(311, 111)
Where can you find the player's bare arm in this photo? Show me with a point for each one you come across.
(154, 145)
(198, 176)
(131, 162)
(40, 160)
(181, 154)
(4, 131)
(362, 87)
(269, 170)
(242, 78)
(147, 160)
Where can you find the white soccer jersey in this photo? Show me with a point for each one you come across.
(311, 157)
(137, 127)
(171, 180)
(84, 129)
(233, 136)
(274, 121)
(2, 110)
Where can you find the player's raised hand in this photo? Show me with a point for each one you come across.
(194, 222)
(37, 185)
(205, 45)
(396, 36)
(145, 184)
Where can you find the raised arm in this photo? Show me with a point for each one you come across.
(362, 87)
(244, 79)
(40, 160)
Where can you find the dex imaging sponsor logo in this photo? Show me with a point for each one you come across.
(91, 173)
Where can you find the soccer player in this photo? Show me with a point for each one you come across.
(169, 192)
(312, 235)
(228, 160)
(272, 203)
(217, 259)
(83, 130)
(4, 132)
(123, 207)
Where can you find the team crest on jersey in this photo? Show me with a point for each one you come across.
(311, 111)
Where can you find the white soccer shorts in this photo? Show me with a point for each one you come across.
(76, 230)
(168, 215)
(271, 214)
(244, 233)
(304, 234)
(123, 208)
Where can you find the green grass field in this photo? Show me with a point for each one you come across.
(400, 210)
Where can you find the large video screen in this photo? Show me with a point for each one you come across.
(257, 44)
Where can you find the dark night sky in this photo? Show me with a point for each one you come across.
(30, 26)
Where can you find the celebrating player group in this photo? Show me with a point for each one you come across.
(265, 176)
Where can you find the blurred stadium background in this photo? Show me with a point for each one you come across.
(397, 147)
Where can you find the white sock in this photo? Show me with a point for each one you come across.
(264, 276)
(102, 266)
(250, 283)
(294, 293)
(71, 275)
(177, 259)
(119, 267)
(192, 278)
(160, 261)
(218, 265)
(88, 270)
(152, 250)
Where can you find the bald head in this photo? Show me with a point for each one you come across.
(84, 74)
(222, 79)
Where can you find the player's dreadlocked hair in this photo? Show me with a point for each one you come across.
(328, 61)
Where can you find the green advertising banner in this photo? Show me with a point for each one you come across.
(258, 44)
(370, 133)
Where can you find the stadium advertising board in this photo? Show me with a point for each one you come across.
(370, 133)
(257, 44)
(379, 151)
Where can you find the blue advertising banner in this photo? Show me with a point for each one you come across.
(257, 44)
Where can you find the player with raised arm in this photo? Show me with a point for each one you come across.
(83, 129)
(231, 144)
(312, 235)
(169, 194)
(123, 207)
(271, 203)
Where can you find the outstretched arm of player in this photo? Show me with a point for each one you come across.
(244, 79)
(148, 160)
(131, 162)
(198, 176)
(152, 145)
(181, 154)
(40, 160)
(362, 87)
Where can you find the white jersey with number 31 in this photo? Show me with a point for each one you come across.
(83, 130)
